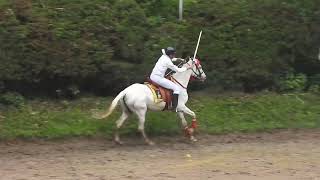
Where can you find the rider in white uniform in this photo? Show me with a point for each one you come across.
(158, 74)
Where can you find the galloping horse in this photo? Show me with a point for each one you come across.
(138, 98)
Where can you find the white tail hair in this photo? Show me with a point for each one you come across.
(112, 106)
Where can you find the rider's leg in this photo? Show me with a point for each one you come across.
(166, 83)
(175, 99)
(169, 85)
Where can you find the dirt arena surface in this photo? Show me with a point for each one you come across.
(286, 154)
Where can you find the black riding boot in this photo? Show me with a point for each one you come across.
(175, 102)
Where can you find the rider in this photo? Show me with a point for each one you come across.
(159, 70)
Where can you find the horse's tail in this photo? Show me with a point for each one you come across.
(112, 106)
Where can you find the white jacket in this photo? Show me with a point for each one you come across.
(164, 62)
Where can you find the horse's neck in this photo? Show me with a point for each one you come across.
(183, 77)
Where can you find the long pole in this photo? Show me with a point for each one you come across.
(180, 9)
(195, 52)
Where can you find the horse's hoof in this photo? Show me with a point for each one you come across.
(150, 143)
(193, 139)
(118, 142)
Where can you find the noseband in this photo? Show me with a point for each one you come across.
(198, 73)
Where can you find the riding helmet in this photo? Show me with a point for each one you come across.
(170, 51)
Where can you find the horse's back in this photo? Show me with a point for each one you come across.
(140, 95)
(137, 92)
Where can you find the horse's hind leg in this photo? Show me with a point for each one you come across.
(119, 123)
(141, 113)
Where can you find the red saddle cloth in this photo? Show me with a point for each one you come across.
(166, 94)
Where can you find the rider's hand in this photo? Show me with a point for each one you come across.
(189, 66)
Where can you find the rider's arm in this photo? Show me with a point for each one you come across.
(171, 66)
(177, 59)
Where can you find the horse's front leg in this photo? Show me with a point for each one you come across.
(184, 122)
(186, 110)
(188, 130)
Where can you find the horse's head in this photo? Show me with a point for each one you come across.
(197, 71)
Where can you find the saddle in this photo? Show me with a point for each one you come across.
(160, 94)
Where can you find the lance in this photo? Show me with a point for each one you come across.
(195, 52)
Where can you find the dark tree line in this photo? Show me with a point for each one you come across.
(101, 46)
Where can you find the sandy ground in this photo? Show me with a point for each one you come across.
(277, 155)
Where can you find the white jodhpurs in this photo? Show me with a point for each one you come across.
(166, 83)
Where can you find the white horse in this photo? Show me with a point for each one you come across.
(138, 98)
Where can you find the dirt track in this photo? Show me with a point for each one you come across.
(277, 155)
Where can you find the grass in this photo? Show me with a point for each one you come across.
(216, 114)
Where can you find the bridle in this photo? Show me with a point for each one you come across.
(198, 73)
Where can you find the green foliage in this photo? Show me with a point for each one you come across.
(130, 24)
(245, 113)
(48, 45)
(12, 99)
(249, 41)
(314, 83)
(291, 82)
(314, 89)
